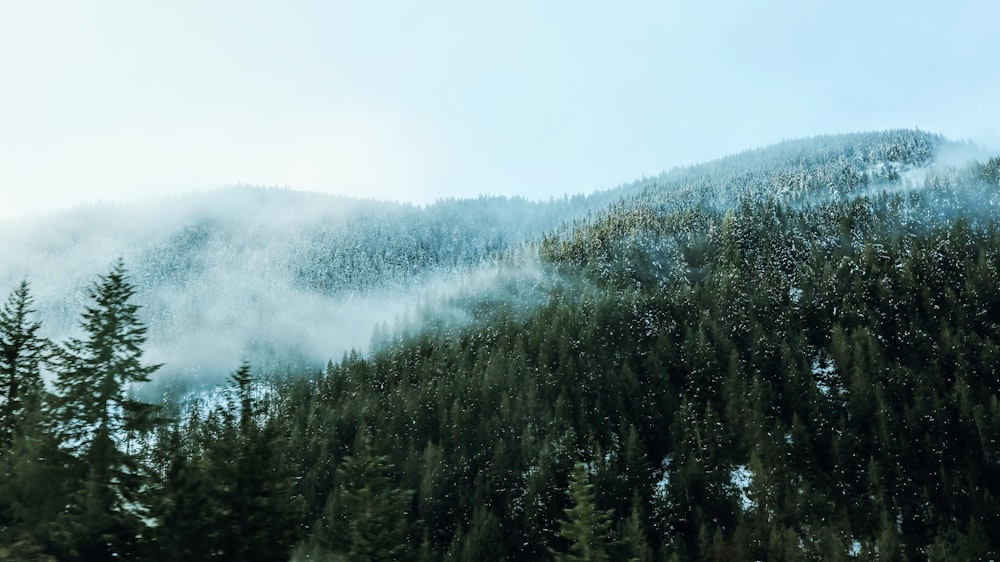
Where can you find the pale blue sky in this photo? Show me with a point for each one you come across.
(119, 100)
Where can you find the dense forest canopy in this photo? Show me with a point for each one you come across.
(786, 354)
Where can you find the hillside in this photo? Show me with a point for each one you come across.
(270, 275)
(785, 354)
(305, 277)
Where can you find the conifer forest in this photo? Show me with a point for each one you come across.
(791, 353)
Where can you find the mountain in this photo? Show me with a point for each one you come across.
(786, 354)
(321, 272)
(269, 274)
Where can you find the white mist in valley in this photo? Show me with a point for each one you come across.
(282, 279)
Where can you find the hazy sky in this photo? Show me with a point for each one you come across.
(118, 100)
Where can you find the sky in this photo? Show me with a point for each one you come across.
(115, 101)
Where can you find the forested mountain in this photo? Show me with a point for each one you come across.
(269, 274)
(786, 354)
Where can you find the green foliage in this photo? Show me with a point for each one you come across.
(634, 537)
(95, 373)
(34, 485)
(226, 493)
(97, 423)
(586, 529)
(28, 454)
(366, 512)
(21, 353)
(772, 375)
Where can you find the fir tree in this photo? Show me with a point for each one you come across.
(633, 534)
(252, 495)
(21, 352)
(32, 480)
(226, 494)
(586, 529)
(96, 418)
(366, 516)
(185, 509)
(34, 483)
(96, 374)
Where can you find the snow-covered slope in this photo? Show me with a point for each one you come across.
(255, 273)
(259, 273)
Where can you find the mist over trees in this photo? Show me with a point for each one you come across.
(295, 276)
(787, 354)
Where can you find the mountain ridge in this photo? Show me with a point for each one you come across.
(803, 368)
(270, 253)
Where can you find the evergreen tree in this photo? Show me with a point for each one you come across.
(32, 482)
(96, 375)
(252, 487)
(586, 529)
(633, 535)
(226, 493)
(185, 508)
(483, 541)
(97, 418)
(21, 352)
(817, 381)
(366, 515)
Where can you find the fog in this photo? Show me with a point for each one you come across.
(223, 276)
(947, 158)
(289, 280)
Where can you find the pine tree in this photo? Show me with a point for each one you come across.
(226, 493)
(251, 495)
(97, 417)
(33, 486)
(31, 475)
(185, 509)
(96, 374)
(21, 352)
(483, 541)
(587, 529)
(633, 533)
(366, 516)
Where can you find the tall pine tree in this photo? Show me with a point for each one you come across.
(31, 490)
(366, 515)
(21, 352)
(252, 502)
(586, 528)
(97, 417)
